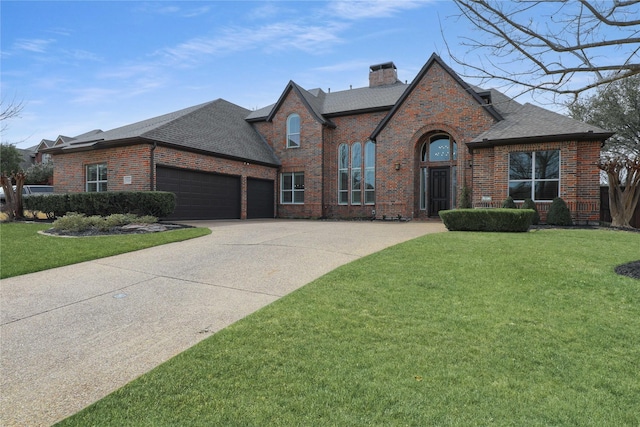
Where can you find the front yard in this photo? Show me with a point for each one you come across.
(453, 329)
(24, 251)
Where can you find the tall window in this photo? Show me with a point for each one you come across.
(369, 173)
(343, 174)
(534, 175)
(357, 178)
(356, 173)
(96, 177)
(293, 131)
(292, 188)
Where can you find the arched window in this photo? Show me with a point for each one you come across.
(293, 131)
(356, 173)
(343, 174)
(369, 173)
(439, 148)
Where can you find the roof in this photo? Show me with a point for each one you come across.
(217, 127)
(326, 105)
(522, 123)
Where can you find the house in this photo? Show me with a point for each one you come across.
(389, 150)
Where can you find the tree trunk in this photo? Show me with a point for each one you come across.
(9, 207)
(19, 206)
(622, 203)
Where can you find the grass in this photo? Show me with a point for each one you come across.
(24, 251)
(452, 329)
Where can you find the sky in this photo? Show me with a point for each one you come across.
(84, 65)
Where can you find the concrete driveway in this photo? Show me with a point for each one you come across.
(71, 335)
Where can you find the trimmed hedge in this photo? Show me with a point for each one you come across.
(155, 203)
(501, 219)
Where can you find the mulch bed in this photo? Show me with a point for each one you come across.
(127, 229)
(631, 269)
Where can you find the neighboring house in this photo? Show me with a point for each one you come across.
(389, 150)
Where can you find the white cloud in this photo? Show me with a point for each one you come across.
(33, 45)
(353, 10)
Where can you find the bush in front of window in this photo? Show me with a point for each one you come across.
(530, 204)
(559, 213)
(509, 203)
(500, 220)
(159, 204)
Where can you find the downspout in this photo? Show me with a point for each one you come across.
(152, 166)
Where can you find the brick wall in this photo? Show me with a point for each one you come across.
(437, 103)
(69, 172)
(134, 161)
(307, 158)
(579, 177)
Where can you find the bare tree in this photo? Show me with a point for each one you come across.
(13, 199)
(616, 107)
(558, 47)
(9, 110)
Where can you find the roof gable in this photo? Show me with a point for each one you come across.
(311, 102)
(435, 59)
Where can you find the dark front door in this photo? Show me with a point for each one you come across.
(439, 186)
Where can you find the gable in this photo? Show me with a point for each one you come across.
(312, 103)
(442, 87)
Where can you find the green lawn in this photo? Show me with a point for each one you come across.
(23, 250)
(451, 329)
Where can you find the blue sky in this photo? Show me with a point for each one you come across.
(82, 65)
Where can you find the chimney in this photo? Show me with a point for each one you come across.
(383, 74)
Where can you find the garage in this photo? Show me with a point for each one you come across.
(201, 195)
(260, 198)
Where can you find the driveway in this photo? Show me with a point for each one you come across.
(71, 335)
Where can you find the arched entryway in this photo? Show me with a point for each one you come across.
(437, 185)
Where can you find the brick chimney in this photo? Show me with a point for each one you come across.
(383, 74)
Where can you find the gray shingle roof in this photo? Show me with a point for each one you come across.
(528, 121)
(218, 127)
(341, 102)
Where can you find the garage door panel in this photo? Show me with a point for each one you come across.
(260, 198)
(201, 195)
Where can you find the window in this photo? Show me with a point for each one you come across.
(96, 177)
(353, 173)
(369, 173)
(292, 188)
(343, 174)
(440, 148)
(356, 173)
(293, 131)
(534, 175)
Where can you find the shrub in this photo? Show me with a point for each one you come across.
(465, 198)
(78, 222)
(509, 220)
(559, 213)
(158, 204)
(509, 203)
(530, 204)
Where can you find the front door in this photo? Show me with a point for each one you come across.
(439, 188)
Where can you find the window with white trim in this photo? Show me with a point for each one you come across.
(369, 173)
(293, 131)
(357, 178)
(292, 188)
(96, 178)
(534, 175)
(343, 174)
(356, 174)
